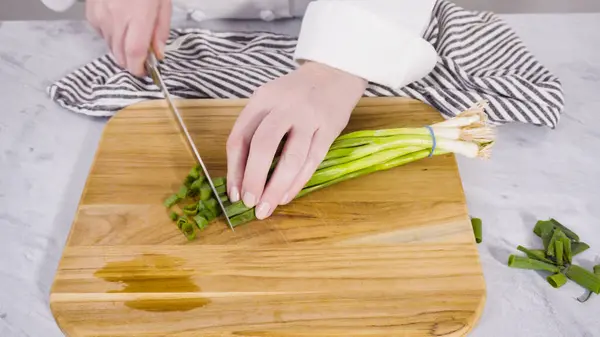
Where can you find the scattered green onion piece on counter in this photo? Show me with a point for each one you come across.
(558, 252)
(568, 249)
(171, 201)
(477, 229)
(557, 280)
(584, 278)
(569, 233)
(545, 225)
(579, 247)
(551, 251)
(537, 254)
(542, 226)
(546, 238)
(174, 216)
(521, 262)
(583, 299)
(201, 222)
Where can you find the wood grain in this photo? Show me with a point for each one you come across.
(388, 254)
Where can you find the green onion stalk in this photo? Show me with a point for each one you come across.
(363, 152)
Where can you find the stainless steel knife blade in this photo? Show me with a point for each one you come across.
(152, 69)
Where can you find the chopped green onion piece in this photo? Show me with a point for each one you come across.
(521, 262)
(222, 189)
(205, 192)
(174, 216)
(207, 214)
(579, 247)
(569, 233)
(220, 181)
(189, 231)
(194, 172)
(597, 270)
(191, 209)
(558, 248)
(181, 221)
(213, 205)
(201, 222)
(584, 278)
(197, 184)
(183, 191)
(536, 254)
(477, 229)
(224, 199)
(171, 201)
(557, 280)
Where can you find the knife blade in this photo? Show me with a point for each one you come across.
(152, 69)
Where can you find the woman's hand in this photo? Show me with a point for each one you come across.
(131, 27)
(312, 105)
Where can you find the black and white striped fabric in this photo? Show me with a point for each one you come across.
(480, 58)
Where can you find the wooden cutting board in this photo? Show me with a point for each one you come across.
(389, 254)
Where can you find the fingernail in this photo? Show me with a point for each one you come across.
(286, 199)
(262, 210)
(234, 195)
(249, 199)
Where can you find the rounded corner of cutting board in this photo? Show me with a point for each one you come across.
(466, 300)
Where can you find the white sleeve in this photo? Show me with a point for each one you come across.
(58, 5)
(378, 40)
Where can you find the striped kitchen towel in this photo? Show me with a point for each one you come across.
(479, 58)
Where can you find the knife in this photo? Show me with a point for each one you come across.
(152, 69)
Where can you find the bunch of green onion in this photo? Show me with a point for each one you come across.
(363, 152)
(561, 244)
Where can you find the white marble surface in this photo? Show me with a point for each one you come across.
(45, 154)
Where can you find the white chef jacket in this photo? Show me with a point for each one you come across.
(379, 40)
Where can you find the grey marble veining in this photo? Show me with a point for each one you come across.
(46, 152)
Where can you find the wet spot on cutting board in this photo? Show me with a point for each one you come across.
(162, 275)
(2, 315)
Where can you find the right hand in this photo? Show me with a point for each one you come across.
(131, 28)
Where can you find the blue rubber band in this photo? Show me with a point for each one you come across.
(433, 139)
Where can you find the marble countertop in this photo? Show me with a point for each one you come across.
(46, 152)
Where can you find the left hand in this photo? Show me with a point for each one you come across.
(312, 105)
